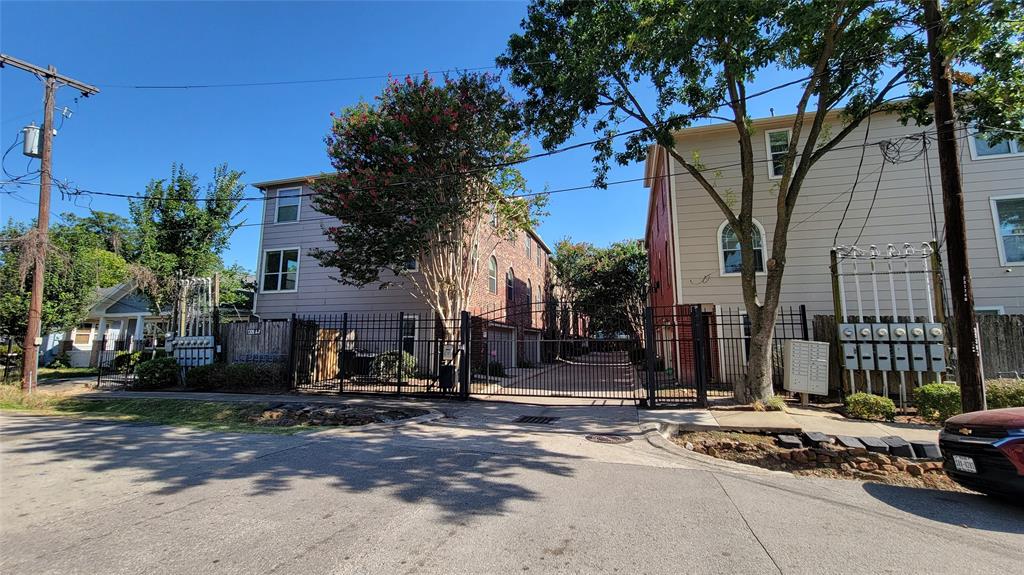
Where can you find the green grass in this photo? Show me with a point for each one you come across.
(62, 372)
(206, 415)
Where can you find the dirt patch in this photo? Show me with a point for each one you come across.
(288, 414)
(828, 461)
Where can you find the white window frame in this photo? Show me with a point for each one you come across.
(510, 287)
(263, 269)
(1000, 310)
(75, 332)
(529, 246)
(1015, 148)
(721, 252)
(768, 149)
(492, 277)
(993, 201)
(415, 332)
(415, 265)
(277, 206)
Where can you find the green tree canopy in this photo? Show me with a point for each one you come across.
(419, 173)
(181, 230)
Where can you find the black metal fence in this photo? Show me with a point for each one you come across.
(378, 352)
(698, 353)
(118, 359)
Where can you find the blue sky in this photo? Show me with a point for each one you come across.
(120, 139)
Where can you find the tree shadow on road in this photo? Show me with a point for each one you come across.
(438, 467)
(961, 509)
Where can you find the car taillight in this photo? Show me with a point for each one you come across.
(1013, 448)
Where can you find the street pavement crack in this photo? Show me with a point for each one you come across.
(747, 523)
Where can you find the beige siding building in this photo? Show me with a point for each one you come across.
(705, 270)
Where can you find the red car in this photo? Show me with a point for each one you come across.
(984, 451)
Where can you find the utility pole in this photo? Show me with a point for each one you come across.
(972, 389)
(51, 80)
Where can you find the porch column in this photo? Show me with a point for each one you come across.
(139, 321)
(101, 331)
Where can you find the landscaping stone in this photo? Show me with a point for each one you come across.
(287, 414)
(874, 444)
(817, 438)
(849, 442)
(790, 442)
(898, 446)
(926, 449)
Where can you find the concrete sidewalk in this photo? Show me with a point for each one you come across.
(794, 420)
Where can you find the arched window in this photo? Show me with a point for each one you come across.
(510, 287)
(492, 275)
(729, 259)
(529, 292)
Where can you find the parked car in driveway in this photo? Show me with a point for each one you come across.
(984, 451)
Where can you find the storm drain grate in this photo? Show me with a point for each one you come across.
(536, 419)
(611, 438)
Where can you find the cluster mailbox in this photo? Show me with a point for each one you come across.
(893, 346)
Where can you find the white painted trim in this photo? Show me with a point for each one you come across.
(492, 258)
(259, 255)
(721, 253)
(768, 149)
(298, 207)
(298, 268)
(995, 224)
(1001, 310)
(415, 334)
(974, 150)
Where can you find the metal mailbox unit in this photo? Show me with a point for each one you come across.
(900, 340)
(806, 367)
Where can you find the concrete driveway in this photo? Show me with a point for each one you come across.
(475, 493)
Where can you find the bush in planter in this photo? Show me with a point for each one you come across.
(492, 368)
(1005, 393)
(937, 402)
(156, 374)
(393, 365)
(867, 406)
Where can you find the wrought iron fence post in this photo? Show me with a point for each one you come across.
(650, 355)
(465, 354)
(803, 322)
(343, 354)
(292, 347)
(700, 347)
(99, 361)
(401, 350)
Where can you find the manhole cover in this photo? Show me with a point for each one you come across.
(608, 438)
(537, 419)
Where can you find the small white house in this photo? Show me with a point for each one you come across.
(120, 312)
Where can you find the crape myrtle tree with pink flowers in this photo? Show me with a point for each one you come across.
(419, 175)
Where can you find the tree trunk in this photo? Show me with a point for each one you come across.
(758, 381)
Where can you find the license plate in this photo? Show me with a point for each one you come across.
(964, 463)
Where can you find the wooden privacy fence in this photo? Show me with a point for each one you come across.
(256, 342)
(1002, 345)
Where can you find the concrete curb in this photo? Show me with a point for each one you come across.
(658, 435)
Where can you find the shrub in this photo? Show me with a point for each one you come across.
(124, 360)
(156, 374)
(393, 365)
(236, 377)
(61, 361)
(937, 402)
(638, 356)
(773, 403)
(868, 406)
(1005, 393)
(492, 368)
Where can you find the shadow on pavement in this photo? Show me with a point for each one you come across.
(960, 509)
(459, 481)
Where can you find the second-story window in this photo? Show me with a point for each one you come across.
(983, 147)
(1008, 212)
(287, 205)
(529, 246)
(492, 275)
(777, 142)
(510, 287)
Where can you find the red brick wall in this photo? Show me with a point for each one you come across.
(660, 235)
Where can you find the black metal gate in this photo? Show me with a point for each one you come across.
(549, 350)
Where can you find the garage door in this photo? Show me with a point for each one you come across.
(531, 346)
(501, 345)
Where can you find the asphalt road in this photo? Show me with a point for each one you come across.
(476, 493)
